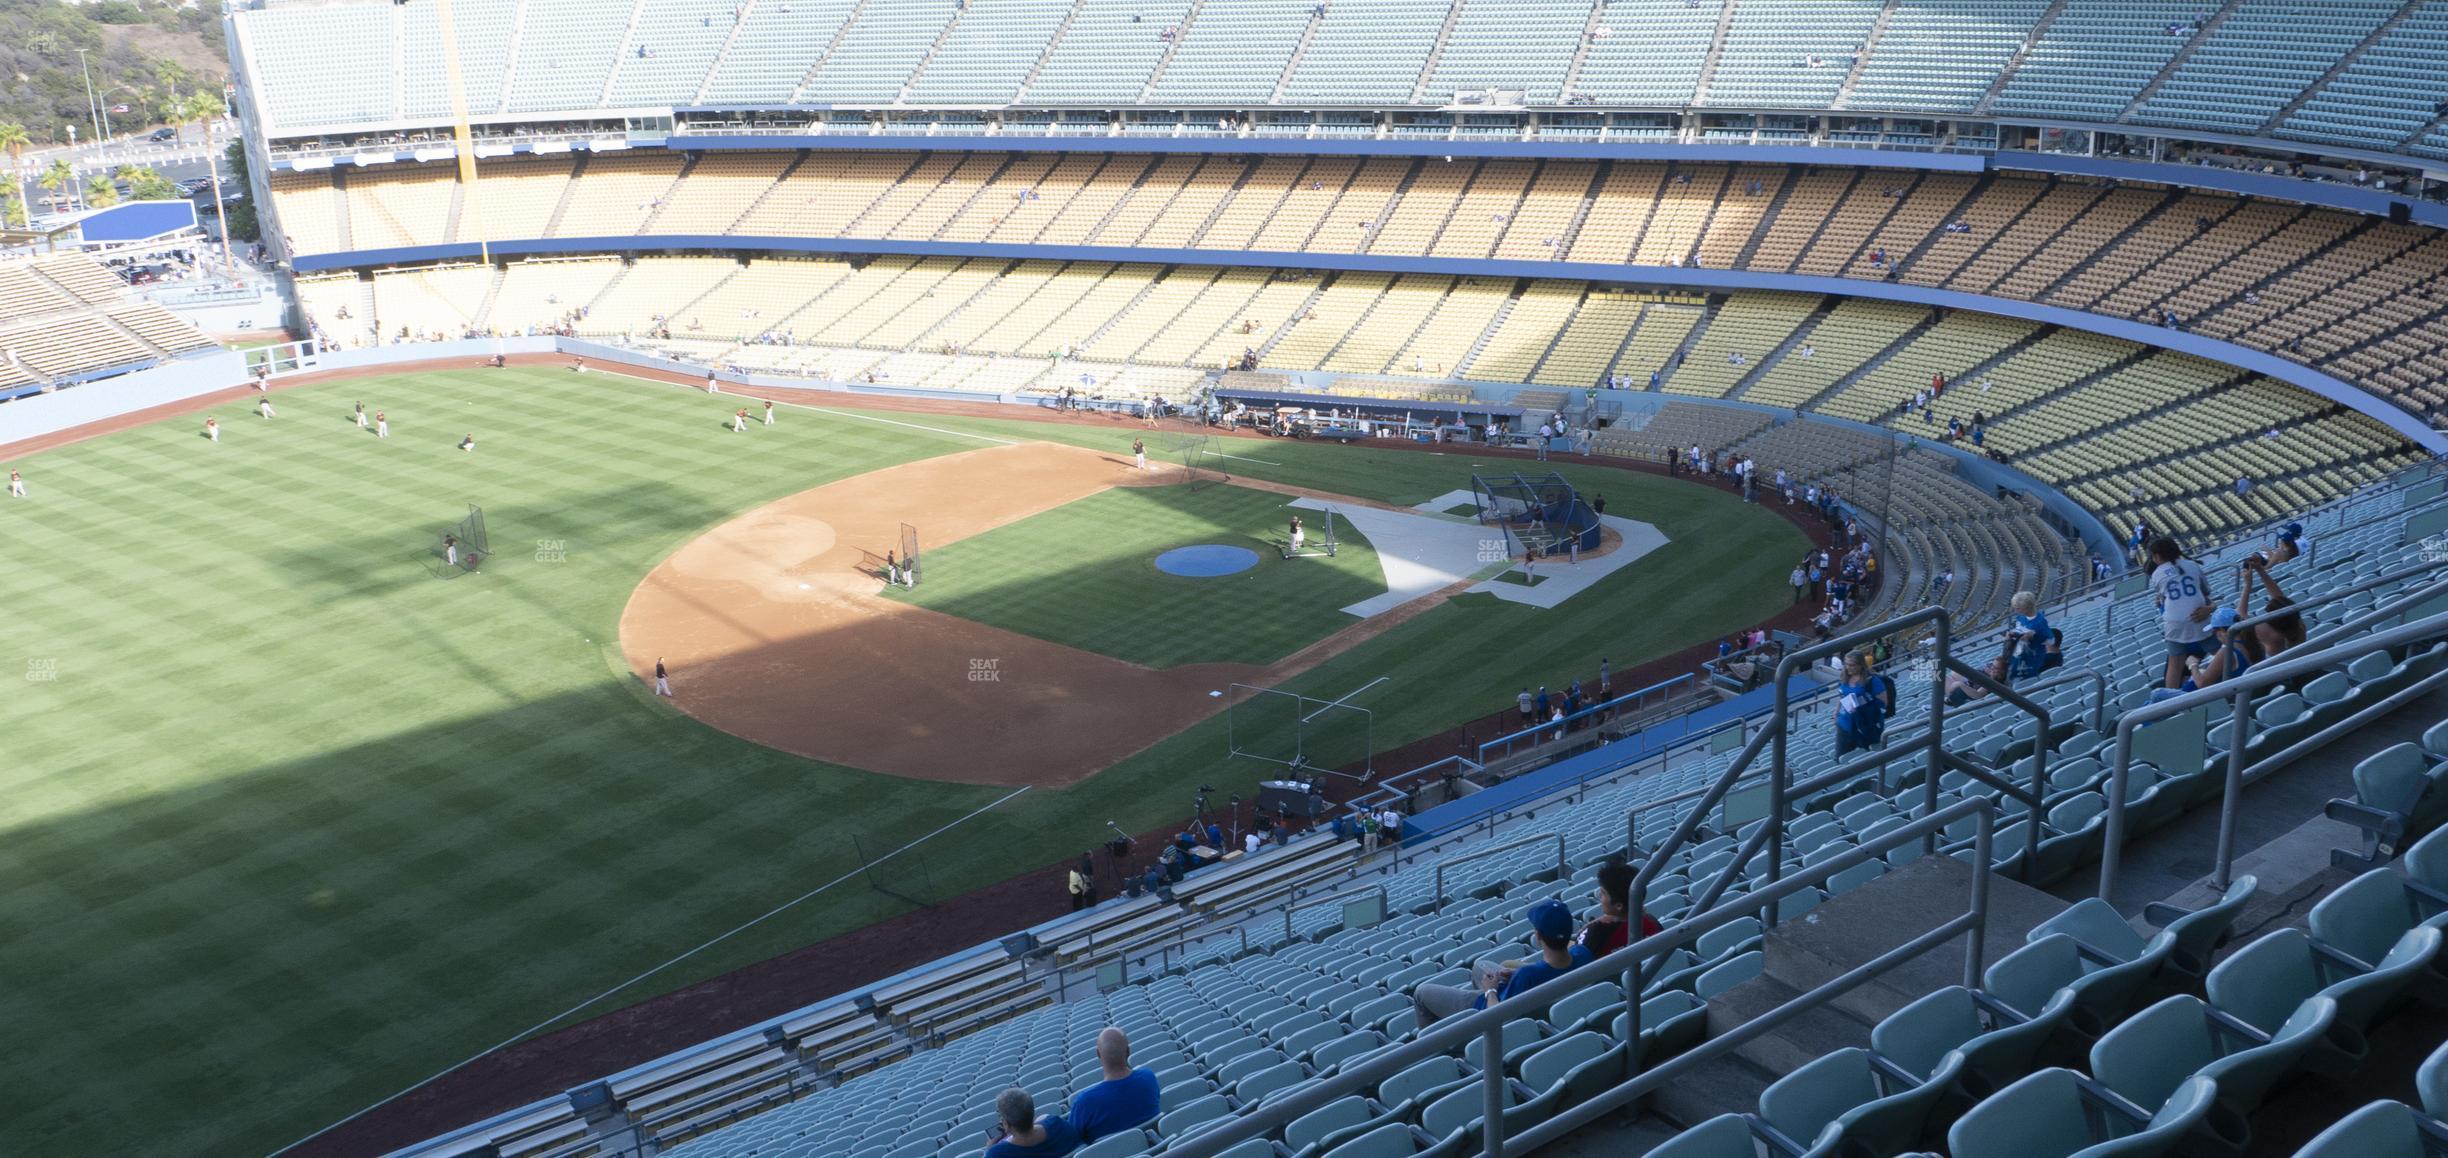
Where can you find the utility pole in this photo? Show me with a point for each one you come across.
(93, 108)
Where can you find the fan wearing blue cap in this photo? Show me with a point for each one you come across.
(2290, 544)
(1551, 933)
(2227, 658)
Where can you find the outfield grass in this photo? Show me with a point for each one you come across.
(1084, 574)
(294, 823)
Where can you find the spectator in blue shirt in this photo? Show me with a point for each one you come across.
(1027, 1136)
(1551, 932)
(1127, 1098)
(2032, 636)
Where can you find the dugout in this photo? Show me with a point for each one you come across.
(1416, 417)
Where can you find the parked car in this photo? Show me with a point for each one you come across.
(164, 133)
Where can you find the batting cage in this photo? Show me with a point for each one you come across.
(1302, 732)
(910, 570)
(1535, 511)
(464, 545)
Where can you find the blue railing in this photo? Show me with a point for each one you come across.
(1572, 722)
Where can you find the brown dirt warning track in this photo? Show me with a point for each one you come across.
(775, 630)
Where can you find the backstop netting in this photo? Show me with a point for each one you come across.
(1299, 731)
(1535, 511)
(909, 555)
(1196, 454)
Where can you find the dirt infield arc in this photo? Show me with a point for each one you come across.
(774, 631)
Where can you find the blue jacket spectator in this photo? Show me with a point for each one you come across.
(1126, 1099)
(2032, 637)
(1863, 703)
(1027, 1136)
(1551, 931)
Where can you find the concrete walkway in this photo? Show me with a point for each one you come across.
(1419, 554)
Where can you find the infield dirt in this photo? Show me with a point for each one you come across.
(774, 630)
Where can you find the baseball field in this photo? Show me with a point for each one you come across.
(298, 815)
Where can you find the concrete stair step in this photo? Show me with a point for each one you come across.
(1848, 930)
(1796, 1043)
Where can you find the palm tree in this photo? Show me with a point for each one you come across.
(145, 184)
(205, 108)
(12, 210)
(59, 177)
(100, 193)
(14, 139)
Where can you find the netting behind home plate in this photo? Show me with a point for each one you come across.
(1534, 511)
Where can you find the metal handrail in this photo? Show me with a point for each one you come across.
(1531, 733)
(1164, 945)
(1562, 868)
(1487, 1025)
(2239, 691)
(1335, 898)
(1773, 733)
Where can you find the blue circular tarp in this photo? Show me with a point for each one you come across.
(1206, 561)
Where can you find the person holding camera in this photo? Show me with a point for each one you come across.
(2033, 643)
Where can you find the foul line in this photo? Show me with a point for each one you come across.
(1338, 700)
(820, 409)
(769, 914)
(1244, 458)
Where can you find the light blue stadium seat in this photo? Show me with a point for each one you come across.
(2146, 1056)
(1407, 1092)
(1848, 1099)
(2262, 984)
(1728, 974)
(1724, 1136)
(2398, 795)
(2365, 917)
(1921, 1036)
(1334, 1053)
(1322, 1128)
(2198, 932)
(1128, 1144)
(2380, 1130)
(1207, 1109)
(1671, 1022)
(1266, 1081)
(1564, 1073)
(1388, 1141)
(2049, 1115)
(2103, 988)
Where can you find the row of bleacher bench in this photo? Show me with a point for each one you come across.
(2132, 433)
(2361, 297)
